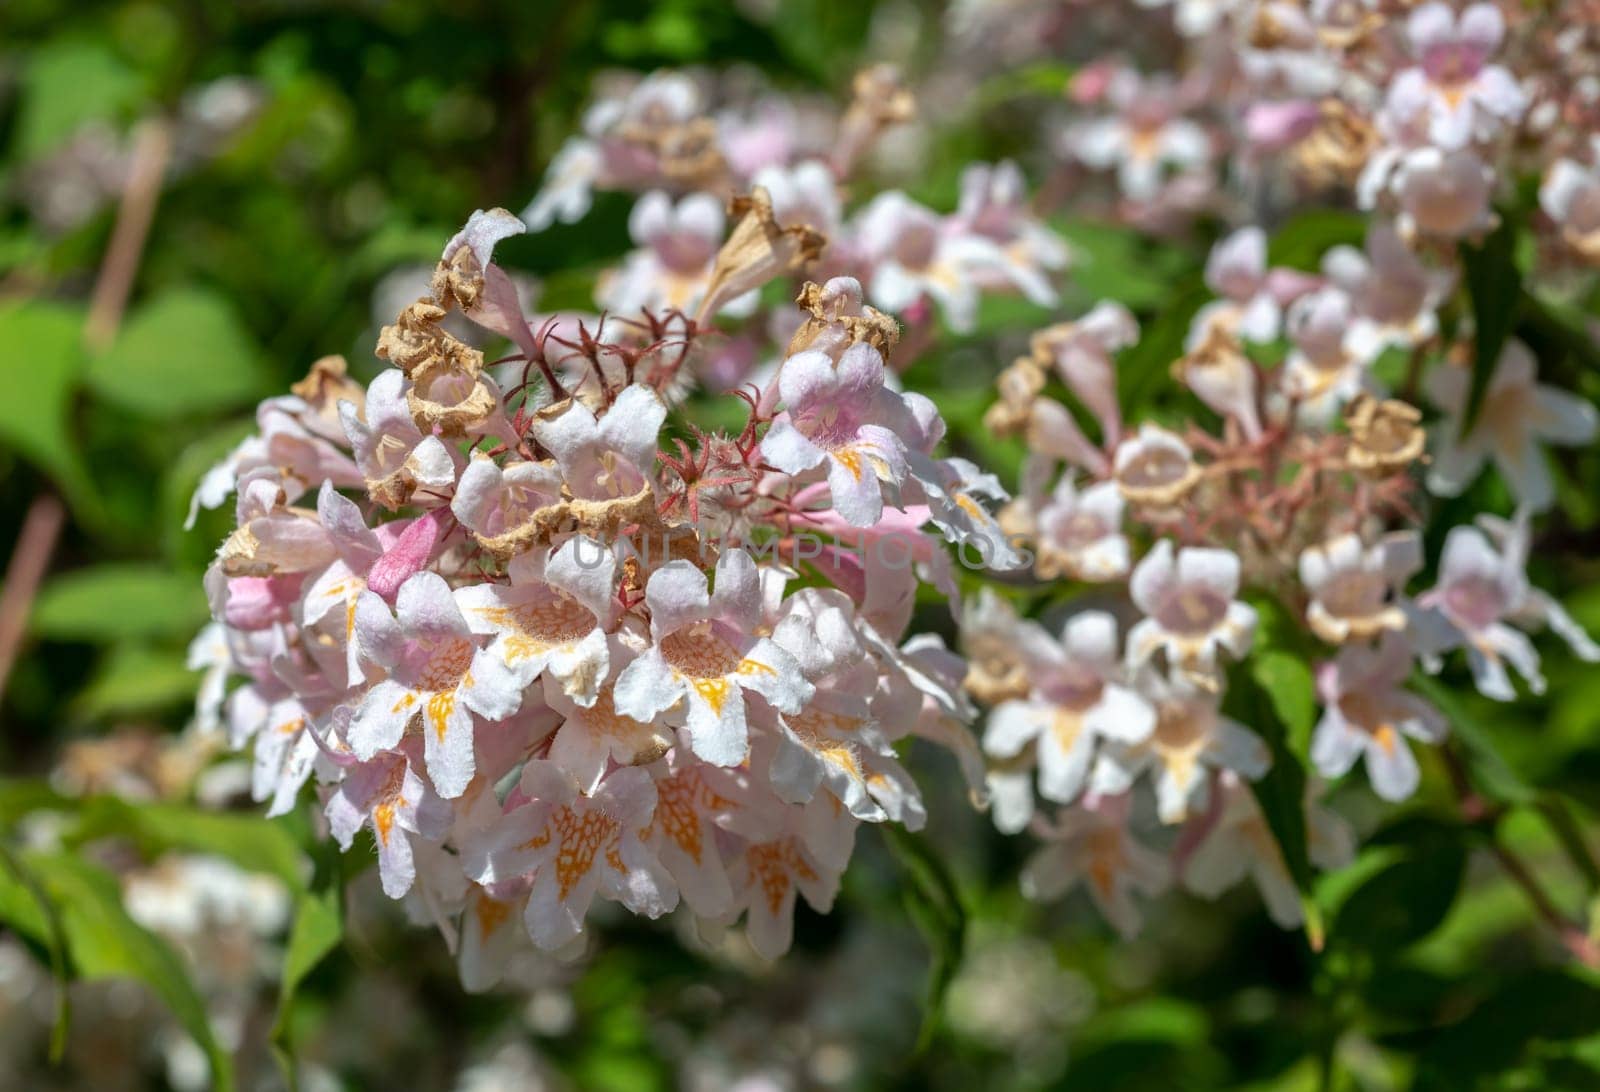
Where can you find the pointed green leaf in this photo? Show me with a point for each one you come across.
(41, 360)
(184, 352)
(119, 601)
(1495, 286)
(935, 907)
(102, 941)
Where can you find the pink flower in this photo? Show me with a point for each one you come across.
(1463, 97)
(1366, 713)
(437, 675)
(838, 415)
(1188, 597)
(1517, 414)
(1092, 846)
(1481, 588)
(704, 655)
(1076, 698)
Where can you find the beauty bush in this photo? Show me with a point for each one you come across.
(548, 646)
(549, 641)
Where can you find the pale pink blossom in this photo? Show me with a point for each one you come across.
(1093, 846)
(1482, 589)
(1463, 97)
(1518, 415)
(1188, 597)
(1077, 697)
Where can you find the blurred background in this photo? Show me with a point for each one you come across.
(197, 200)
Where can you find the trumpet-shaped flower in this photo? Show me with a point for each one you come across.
(437, 678)
(1076, 698)
(1482, 588)
(1518, 413)
(1092, 846)
(1355, 589)
(834, 415)
(552, 618)
(1188, 598)
(1367, 713)
(1461, 95)
(704, 654)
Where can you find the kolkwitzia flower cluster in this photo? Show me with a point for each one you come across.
(543, 658)
(1309, 513)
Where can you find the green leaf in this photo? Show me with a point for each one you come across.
(1504, 1031)
(1306, 237)
(184, 352)
(119, 601)
(1282, 792)
(1117, 263)
(1492, 775)
(1494, 285)
(935, 907)
(102, 941)
(1142, 369)
(68, 83)
(1287, 682)
(41, 358)
(26, 908)
(249, 841)
(317, 930)
(1404, 901)
(1046, 78)
(133, 679)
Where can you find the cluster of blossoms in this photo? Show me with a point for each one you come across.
(1306, 495)
(545, 656)
(1422, 111)
(1304, 500)
(544, 659)
(660, 138)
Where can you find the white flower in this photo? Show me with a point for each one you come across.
(1396, 296)
(1154, 468)
(1079, 535)
(387, 793)
(679, 244)
(1093, 846)
(994, 206)
(1367, 713)
(437, 674)
(551, 618)
(1462, 97)
(1189, 600)
(1328, 366)
(606, 457)
(804, 195)
(1191, 737)
(1517, 413)
(1240, 844)
(1076, 697)
(838, 415)
(914, 254)
(1143, 141)
(576, 846)
(767, 877)
(1354, 588)
(704, 652)
(1570, 195)
(494, 500)
(1250, 306)
(1443, 193)
(568, 188)
(1481, 588)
